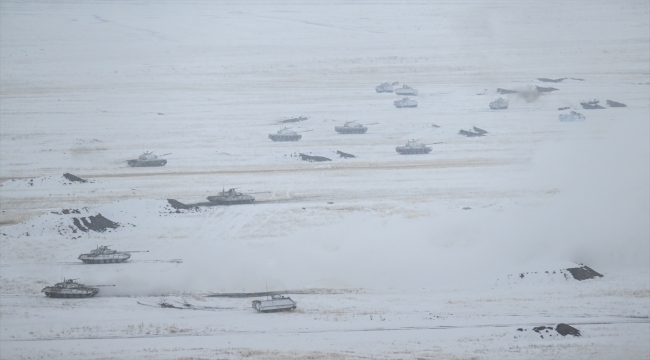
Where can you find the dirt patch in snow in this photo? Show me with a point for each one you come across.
(311, 158)
(96, 223)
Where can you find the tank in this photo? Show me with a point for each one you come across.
(275, 303)
(285, 134)
(71, 289)
(405, 103)
(499, 104)
(413, 147)
(230, 197)
(384, 88)
(351, 127)
(406, 90)
(148, 159)
(104, 255)
(572, 116)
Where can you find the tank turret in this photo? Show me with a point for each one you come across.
(406, 90)
(71, 289)
(572, 116)
(104, 255)
(384, 88)
(499, 104)
(413, 147)
(351, 127)
(148, 159)
(275, 303)
(405, 103)
(230, 197)
(285, 134)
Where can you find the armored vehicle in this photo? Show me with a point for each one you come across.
(104, 255)
(406, 90)
(351, 127)
(405, 103)
(230, 197)
(148, 159)
(572, 116)
(499, 104)
(276, 303)
(413, 147)
(285, 135)
(384, 88)
(71, 289)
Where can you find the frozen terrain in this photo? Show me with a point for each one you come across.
(444, 255)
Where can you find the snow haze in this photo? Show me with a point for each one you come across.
(442, 255)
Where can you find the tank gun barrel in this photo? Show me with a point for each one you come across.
(373, 124)
(165, 154)
(304, 131)
(100, 285)
(435, 143)
(134, 251)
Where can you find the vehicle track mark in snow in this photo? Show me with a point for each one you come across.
(267, 332)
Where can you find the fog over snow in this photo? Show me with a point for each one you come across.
(459, 253)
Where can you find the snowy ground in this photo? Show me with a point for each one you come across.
(389, 256)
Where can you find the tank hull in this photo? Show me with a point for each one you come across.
(276, 137)
(406, 105)
(104, 259)
(498, 107)
(570, 118)
(147, 163)
(70, 293)
(217, 200)
(402, 150)
(274, 305)
(407, 92)
(349, 130)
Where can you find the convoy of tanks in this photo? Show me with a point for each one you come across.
(104, 255)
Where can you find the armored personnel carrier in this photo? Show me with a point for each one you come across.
(384, 88)
(285, 134)
(351, 127)
(230, 197)
(413, 147)
(405, 103)
(499, 104)
(71, 289)
(572, 116)
(276, 303)
(148, 159)
(104, 255)
(406, 90)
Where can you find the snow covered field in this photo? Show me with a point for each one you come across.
(443, 255)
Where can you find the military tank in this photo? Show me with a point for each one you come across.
(572, 116)
(104, 255)
(351, 127)
(230, 197)
(413, 147)
(275, 303)
(71, 289)
(285, 134)
(499, 104)
(384, 88)
(405, 103)
(406, 90)
(148, 159)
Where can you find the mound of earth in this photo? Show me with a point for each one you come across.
(345, 155)
(293, 120)
(311, 158)
(476, 132)
(551, 80)
(615, 104)
(591, 105)
(564, 330)
(74, 178)
(96, 223)
(506, 91)
(583, 272)
(545, 89)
